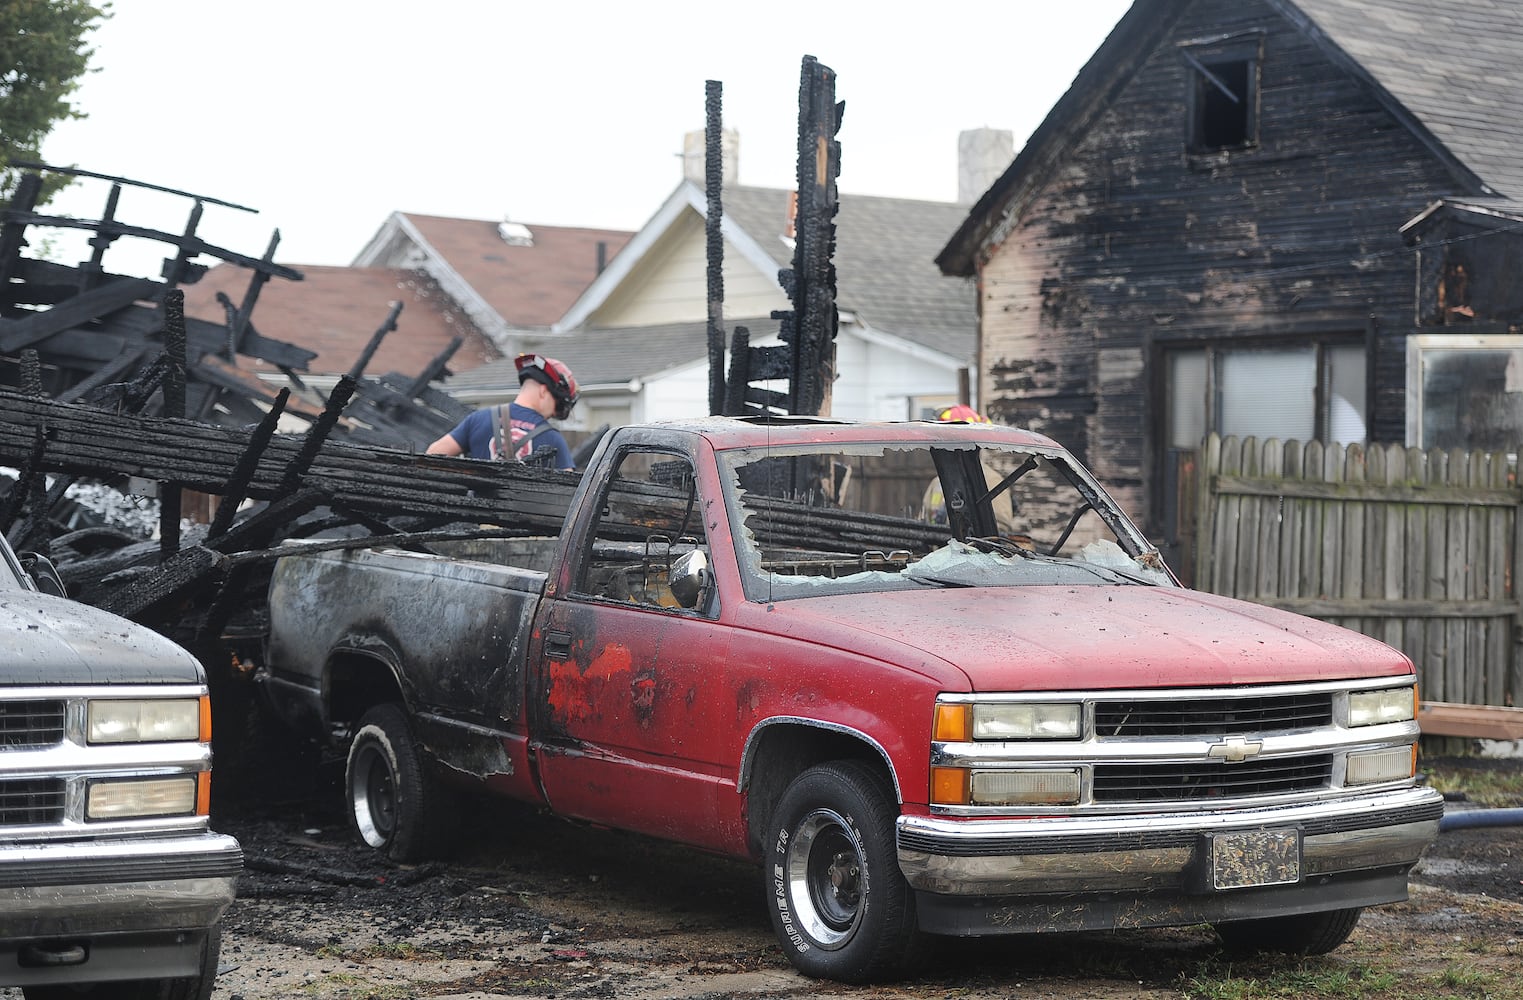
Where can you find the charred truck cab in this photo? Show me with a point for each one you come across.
(111, 882)
(929, 676)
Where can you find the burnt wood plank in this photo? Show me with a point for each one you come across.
(117, 294)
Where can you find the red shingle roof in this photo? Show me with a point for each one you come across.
(528, 286)
(335, 310)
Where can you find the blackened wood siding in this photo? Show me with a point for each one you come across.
(1131, 245)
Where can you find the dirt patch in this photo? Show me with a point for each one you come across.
(534, 906)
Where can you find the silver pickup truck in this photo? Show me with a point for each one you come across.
(111, 882)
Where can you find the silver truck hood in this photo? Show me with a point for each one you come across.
(48, 640)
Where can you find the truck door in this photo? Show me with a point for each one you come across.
(629, 683)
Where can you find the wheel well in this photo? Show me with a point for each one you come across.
(355, 684)
(783, 752)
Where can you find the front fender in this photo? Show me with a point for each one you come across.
(754, 739)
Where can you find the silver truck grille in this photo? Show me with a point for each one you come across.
(1190, 717)
(1211, 779)
(31, 723)
(31, 801)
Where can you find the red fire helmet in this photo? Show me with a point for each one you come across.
(555, 375)
(966, 414)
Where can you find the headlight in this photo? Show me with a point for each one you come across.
(1394, 764)
(138, 798)
(1025, 788)
(1031, 721)
(1372, 708)
(159, 720)
(956, 786)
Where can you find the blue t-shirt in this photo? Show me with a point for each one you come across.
(477, 435)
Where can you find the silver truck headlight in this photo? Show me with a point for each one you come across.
(1391, 764)
(1058, 787)
(1372, 708)
(1027, 721)
(138, 798)
(146, 720)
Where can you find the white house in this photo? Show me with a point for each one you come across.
(637, 335)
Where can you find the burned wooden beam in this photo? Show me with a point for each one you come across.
(86, 441)
(374, 344)
(178, 574)
(243, 472)
(713, 184)
(115, 294)
(812, 329)
(13, 236)
(173, 388)
(238, 324)
(806, 359)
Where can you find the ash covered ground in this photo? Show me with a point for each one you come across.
(530, 905)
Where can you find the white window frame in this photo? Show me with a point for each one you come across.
(1417, 344)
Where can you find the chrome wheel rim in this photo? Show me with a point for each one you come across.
(827, 878)
(374, 797)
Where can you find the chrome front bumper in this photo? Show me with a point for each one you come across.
(1075, 856)
(81, 889)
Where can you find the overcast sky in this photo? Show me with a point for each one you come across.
(328, 115)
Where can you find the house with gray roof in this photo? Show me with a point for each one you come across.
(1291, 219)
(637, 335)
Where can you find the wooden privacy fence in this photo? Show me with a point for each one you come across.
(1419, 549)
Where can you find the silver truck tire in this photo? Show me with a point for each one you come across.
(1304, 934)
(839, 904)
(197, 987)
(394, 805)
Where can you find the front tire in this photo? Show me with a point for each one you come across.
(839, 904)
(394, 806)
(1303, 934)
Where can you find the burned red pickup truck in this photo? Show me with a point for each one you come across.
(929, 676)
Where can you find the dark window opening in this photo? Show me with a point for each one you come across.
(1224, 105)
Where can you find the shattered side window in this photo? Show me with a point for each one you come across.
(864, 518)
(649, 514)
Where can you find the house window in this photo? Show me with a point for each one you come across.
(1301, 393)
(1224, 95)
(929, 407)
(1465, 392)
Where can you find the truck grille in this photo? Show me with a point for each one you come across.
(31, 801)
(31, 723)
(1210, 716)
(1210, 779)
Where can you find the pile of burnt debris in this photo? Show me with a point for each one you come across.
(104, 381)
(102, 337)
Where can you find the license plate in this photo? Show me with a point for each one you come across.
(1257, 857)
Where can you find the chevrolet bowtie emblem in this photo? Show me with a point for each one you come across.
(1235, 749)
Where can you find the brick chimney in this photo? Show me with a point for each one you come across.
(729, 155)
(983, 154)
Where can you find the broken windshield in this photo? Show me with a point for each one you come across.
(860, 518)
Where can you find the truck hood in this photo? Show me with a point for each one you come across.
(47, 640)
(1061, 638)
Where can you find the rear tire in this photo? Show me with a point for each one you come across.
(197, 987)
(395, 805)
(839, 904)
(1303, 934)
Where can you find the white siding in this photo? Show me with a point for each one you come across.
(679, 394)
(670, 285)
(876, 381)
